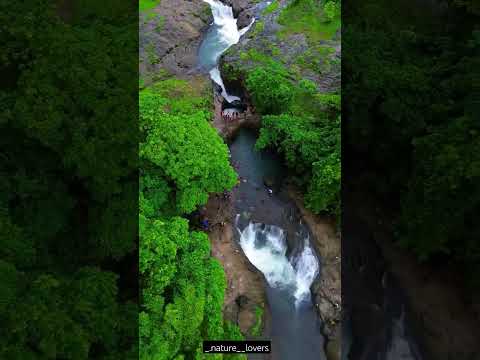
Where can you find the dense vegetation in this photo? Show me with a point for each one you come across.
(182, 160)
(68, 185)
(306, 130)
(299, 120)
(413, 119)
(317, 19)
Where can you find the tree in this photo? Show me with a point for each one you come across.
(271, 90)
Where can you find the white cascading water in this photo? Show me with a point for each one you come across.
(228, 35)
(217, 78)
(266, 247)
(306, 269)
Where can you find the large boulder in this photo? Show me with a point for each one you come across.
(242, 10)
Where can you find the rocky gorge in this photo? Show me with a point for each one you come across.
(170, 36)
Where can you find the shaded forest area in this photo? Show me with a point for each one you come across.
(411, 97)
(68, 203)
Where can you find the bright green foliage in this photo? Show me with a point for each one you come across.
(271, 90)
(258, 28)
(146, 5)
(312, 149)
(181, 148)
(311, 18)
(182, 289)
(258, 326)
(324, 188)
(331, 9)
(271, 8)
(306, 131)
(183, 160)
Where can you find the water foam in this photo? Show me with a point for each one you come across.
(217, 78)
(228, 35)
(266, 247)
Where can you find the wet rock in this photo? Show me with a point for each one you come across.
(326, 289)
(333, 349)
(244, 19)
(246, 320)
(326, 72)
(245, 284)
(268, 182)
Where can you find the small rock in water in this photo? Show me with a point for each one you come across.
(268, 181)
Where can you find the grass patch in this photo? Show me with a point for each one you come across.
(257, 328)
(151, 54)
(256, 56)
(160, 23)
(257, 28)
(146, 5)
(185, 97)
(316, 59)
(305, 17)
(271, 8)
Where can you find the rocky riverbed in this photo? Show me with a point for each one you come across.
(170, 36)
(326, 290)
(245, 290)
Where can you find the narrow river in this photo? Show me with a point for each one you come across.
(269, 228)
(272, 236)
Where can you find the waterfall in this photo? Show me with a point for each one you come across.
(222, 35)
(217, 78)
(306, 269)
(266, 247)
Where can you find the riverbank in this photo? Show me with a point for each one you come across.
(245, 291)
(227, 129)
(326, 290)
(247, 54)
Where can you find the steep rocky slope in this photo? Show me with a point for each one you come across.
(170, 34)
(316, 59)
(309, 58)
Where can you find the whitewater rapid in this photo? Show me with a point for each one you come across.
(224, 34)
(266, 248)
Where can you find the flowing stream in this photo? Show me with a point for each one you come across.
(266, 248)
(273, 237)
(275, 240)
(222, 34)
(269, 229)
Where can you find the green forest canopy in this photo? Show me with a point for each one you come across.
(411, 92)
(68, 140)
(182, 161)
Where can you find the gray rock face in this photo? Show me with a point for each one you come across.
(294, 51)
(242, 10)
(170, 35)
